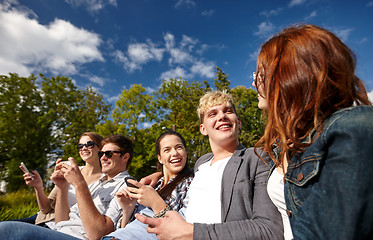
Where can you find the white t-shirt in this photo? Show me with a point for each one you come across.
(205, 193)
(275, 189)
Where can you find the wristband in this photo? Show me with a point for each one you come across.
(162, 212)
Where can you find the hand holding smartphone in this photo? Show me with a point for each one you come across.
(128, 183)
(23, 167)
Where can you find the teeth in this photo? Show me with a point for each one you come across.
(224, 126)
(176, 161)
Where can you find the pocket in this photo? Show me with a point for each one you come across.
(304, 170)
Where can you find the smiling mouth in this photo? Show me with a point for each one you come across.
(224, 127)
(175, 161)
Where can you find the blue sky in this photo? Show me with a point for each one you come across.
(113, 44)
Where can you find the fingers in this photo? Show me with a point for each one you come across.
(151, 222)
(72, 161)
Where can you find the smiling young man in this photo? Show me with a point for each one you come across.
(97, 210)
(228, 197)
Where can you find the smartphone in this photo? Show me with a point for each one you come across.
(146, 215)
(130, 184)
(25, 170)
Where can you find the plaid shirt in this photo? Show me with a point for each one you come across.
(178, 198)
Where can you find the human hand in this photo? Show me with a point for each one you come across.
(33, 179)
(152, 179)
(145, 195)
(125, 201)
(71, 172)
(171, 227)
(57, 176)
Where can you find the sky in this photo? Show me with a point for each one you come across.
(113, 44)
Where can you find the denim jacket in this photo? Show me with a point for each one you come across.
(329, 187)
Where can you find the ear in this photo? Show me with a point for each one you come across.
(239, 123)
(126, 156)
(202, 129)
(159, 159)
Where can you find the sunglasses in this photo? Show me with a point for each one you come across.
(89, 144)
(108, 154)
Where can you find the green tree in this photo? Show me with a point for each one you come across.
(24, 131)
(131, 114)
(40, 120)
(221, 81)
(246, 102)
(176, 103)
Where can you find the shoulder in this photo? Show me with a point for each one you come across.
(352, 120)
(255, 156)
(202, 160)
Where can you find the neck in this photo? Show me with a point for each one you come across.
(166, 177)
(92, 168)
(223, 151)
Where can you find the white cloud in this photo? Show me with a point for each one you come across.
(312, 15)
(204, 69)
(93, 6)
(343, 34)
(269, 13)
(98, 80)
(186, 3)
(296, 2)
(265, 29)
(175, 73)
(30, 47)
(254, 56)
(370, 96)
(363, 40)
(183, 57)
(208, 13)
(138, 54)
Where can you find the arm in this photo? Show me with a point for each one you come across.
(336, 203)
(61, 204)
(36, 182)
(152, 179)
(127, 204)
(95, 224)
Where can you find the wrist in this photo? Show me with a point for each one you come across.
(162, 213)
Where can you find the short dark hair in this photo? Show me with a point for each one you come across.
(124, 143)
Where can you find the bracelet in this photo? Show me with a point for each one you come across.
(162, 212)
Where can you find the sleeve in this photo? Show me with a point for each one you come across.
(338, 202)
(266, 221)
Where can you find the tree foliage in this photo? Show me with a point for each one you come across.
(41, 119)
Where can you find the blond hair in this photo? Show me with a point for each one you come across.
(211, 99)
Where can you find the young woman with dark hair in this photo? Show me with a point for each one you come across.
(169, 193)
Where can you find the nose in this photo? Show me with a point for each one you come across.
(222, 115)
(253, 84)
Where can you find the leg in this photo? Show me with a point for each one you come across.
(22, 231)
(27, 220)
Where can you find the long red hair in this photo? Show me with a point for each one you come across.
(307, 74)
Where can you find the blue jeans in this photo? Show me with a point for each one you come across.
(19, 230)
(134, 230)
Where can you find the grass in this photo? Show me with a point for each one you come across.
(20, 204)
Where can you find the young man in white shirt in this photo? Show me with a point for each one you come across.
(228, 197)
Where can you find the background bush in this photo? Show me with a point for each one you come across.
(19, 204)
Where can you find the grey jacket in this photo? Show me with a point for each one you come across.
(247, 211)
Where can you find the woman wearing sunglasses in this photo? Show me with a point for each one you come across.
(88, 147)
(168, 194)
(319, 134)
